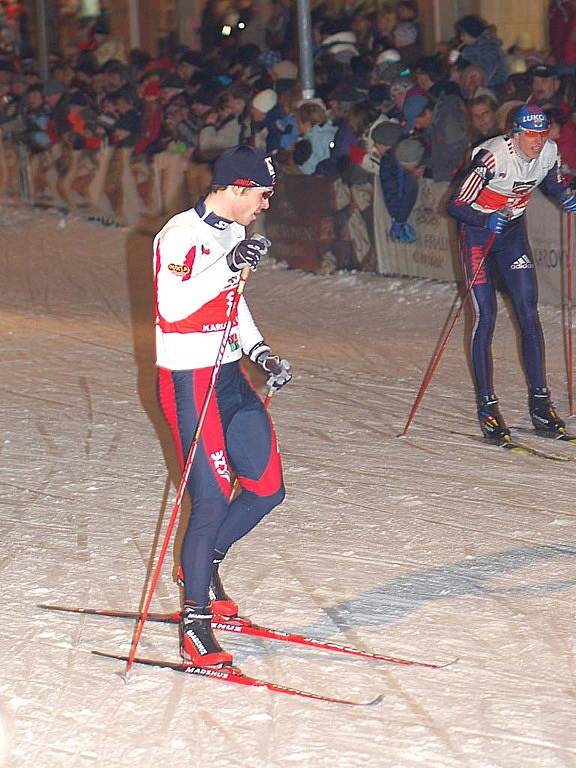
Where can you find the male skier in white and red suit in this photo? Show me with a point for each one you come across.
(198, 259)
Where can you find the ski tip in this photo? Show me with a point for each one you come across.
(401, 435)
(375, 702)
(449, 663)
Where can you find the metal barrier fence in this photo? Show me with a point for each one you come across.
(108, 183)
(315, 224)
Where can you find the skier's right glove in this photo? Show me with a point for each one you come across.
(280, 371)
(496, 222)
(247, 253)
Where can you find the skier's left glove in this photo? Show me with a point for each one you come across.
(569, 205)
(247, 253)
(280, 371)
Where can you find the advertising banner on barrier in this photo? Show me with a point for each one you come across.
(546, 232)
(435, 252)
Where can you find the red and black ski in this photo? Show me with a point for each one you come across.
(235, 675)
(243, 626)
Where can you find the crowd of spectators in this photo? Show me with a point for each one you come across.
(381, 108)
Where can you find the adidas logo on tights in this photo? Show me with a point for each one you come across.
(522, 263)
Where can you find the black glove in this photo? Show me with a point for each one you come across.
(280, 371)
(302, 151)
(247, 253)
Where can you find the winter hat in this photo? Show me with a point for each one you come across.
(389, 55)
(265, 100)
(243, 166)
(409, 152)
(414, 105)
(471, 25)
(386, 133)
(530, 118)
(285, 70)
(405, 33)
(545, 71)
(400, 85)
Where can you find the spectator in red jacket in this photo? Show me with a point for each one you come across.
(152, 118)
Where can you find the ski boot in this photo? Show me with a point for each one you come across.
(198, 644)
(491, 422)
(221, 603)
(546, 421)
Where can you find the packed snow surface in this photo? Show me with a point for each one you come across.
(432, 547)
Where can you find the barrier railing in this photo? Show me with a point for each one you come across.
(107, 183)
(316, 224)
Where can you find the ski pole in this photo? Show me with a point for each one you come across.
(186, 471)
(436, 359)
(568, 307)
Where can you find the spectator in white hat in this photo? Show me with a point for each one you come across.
(265, 113)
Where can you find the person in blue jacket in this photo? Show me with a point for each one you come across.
(399, 183)
(481, 47)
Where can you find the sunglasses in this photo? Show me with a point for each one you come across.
(536, 134)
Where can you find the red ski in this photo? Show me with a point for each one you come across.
(243, 626)
(235, 675)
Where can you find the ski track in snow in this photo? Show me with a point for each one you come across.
(431, 547)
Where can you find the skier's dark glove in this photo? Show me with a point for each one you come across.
(496, 222)
(247, 253)
(280, 371)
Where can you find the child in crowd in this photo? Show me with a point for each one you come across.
(316, 136)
